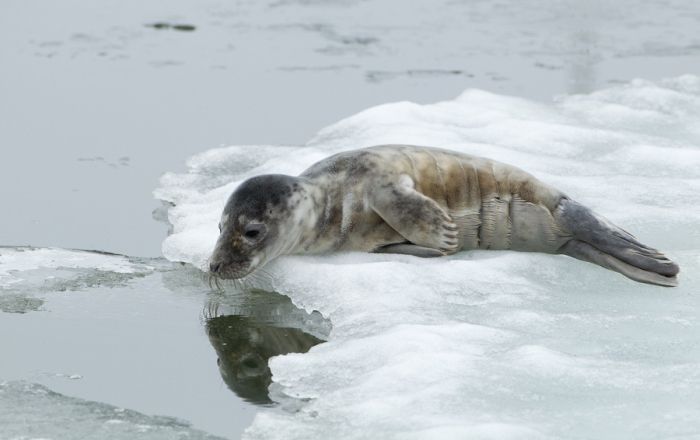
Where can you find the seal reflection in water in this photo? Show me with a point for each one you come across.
(265, 325)
(420, 201)
(244, 347)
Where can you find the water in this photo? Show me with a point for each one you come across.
(50, 414)
(100, 99)
(96, 104)
(137, 333)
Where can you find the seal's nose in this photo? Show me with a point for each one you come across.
(214, 267)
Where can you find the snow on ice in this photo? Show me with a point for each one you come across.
(491, 344)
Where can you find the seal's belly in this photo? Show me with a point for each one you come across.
(496, 206)
(508, 222)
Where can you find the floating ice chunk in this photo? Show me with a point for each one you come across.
(30, 410)
(19, 303)
(68, 376)
(492, 344)
(17, 262)
(26, 272)
(17, 259)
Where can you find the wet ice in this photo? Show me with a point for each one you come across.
(27, 273)
(30, 410)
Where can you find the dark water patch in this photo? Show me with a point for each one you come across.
(341, 43)
(184, 27)
(161, 25)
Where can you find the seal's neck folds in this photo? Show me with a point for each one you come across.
(312, 207)
(307, 204)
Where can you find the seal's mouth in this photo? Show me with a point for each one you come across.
(231, 272)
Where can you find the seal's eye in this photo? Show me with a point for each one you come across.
(254, 231)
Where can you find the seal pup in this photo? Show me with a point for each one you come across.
(420, 201)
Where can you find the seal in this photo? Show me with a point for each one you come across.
(420, 201)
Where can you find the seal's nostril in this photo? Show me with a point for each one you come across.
(214, 267)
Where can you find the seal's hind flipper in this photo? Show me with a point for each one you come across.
(612, 242)
(410, 249)
(419, 219)
(586, 252)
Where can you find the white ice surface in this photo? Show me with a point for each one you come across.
(14, 261)
(492, 344)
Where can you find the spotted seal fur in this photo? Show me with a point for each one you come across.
(420, 201)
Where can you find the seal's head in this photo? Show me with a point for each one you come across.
(260, 221)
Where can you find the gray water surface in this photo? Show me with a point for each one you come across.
(145, 341)
(97, 102)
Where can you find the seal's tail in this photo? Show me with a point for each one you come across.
(598, 241)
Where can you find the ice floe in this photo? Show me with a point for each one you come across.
(491, 344)
(26, 272)
(32, 411)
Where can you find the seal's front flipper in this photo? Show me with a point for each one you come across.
(586, 252)
(410, 249)
(417, 218)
